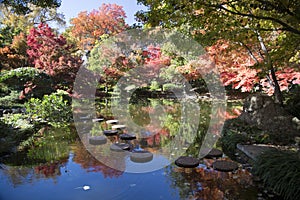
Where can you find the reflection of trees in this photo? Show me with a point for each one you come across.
(49, 170)
(209, 184)
(163, 125)
(91, 164)
(18, 175)
(52, 144)
(49, 151)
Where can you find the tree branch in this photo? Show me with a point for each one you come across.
(287, 26)
(249, 52)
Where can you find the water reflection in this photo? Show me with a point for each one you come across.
(58, 163)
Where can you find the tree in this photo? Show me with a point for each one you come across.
(52, 54)
(12, 24)
(14, 56)
(23, 6)
(14, 29)
(268, 28)
(88, 27)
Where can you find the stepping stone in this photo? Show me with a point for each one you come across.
(119, 147)
(118, 127)
(225, 166)
(112, 121)
(84, 117)
(97, 140)
(110, 132)
(98, 120)
(127, 136)
(141, 156)
(187, 162)
(214, 153)
(253, 151)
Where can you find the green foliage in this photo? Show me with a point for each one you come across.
(10, 99)
(17, 121)
(97, 129)
(293, 101)
(230, 140)
(52, 144)
(32, 82)
(53, 109)
(23, 6)
(280, 171)
(22, 74)
(171, 86)
(235, 131)
(14, 129)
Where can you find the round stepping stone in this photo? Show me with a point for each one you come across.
(119, 147)
(84, 117)
(110, 132)
(112, 121)
(126, 136)
(97, 140)
(187, 162)
(214, 153)
(141, 156)
(98, 120)
(118, 127)
(225, 166)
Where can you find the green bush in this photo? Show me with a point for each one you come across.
(293, 101)
(280, 170)
(14, 129)
(27, 77)
(11, 99)
(230, 140)
(53, 109)
(236, 131)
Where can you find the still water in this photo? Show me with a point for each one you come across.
(59, 166)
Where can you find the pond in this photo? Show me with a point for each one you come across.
(61, 165)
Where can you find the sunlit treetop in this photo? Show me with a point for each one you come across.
(22, 6)
(88, 27)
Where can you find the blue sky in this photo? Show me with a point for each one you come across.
(71, 8)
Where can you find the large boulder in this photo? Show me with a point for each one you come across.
(261, 111)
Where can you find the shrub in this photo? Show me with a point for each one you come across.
(32, 82)
(53, 109)
(230, 140)
(293, 101)
(280, 170)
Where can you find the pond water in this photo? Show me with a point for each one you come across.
(60, 165)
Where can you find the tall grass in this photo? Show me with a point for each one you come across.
(280, 170)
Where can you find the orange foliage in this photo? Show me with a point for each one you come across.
(89, 27)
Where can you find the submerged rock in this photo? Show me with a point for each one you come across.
(225, 166)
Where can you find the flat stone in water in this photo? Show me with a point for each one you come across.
(187, 162)
(126, 136)
(119, 126)
(119, 147)
(214, 153)
(110, 132)
(225, 166)
(112, 121)
(97, 140)
(98, 120)
(253, 151)
(141, 156)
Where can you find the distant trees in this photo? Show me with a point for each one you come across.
(88, 27)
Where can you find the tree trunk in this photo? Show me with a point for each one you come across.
(277, 92)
